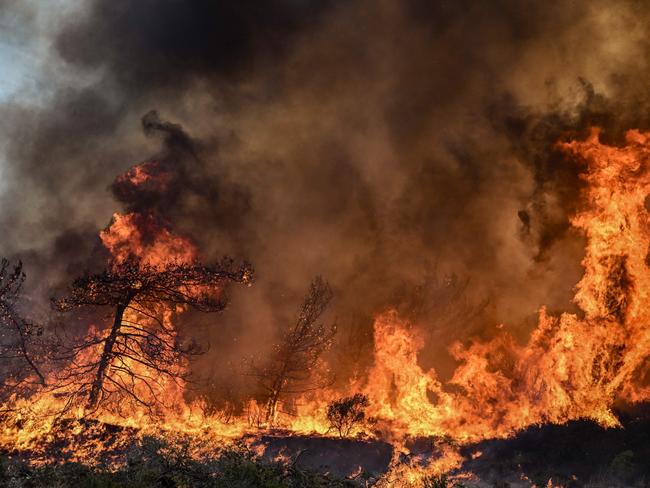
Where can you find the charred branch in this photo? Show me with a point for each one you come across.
(140, 351)
(291, 368)
(19, 337)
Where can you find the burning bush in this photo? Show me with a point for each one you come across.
(348, 414)
(437, 481)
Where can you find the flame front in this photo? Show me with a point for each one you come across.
(573, 366)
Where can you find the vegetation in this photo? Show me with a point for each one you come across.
(156, 464)
(348, 414)
(441, 481)
(19, 338)
(140, 349)
(290, 369)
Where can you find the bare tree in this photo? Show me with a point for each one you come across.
(291, 368)
(141, 349)
(18, 337)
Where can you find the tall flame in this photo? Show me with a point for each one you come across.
(573, 365)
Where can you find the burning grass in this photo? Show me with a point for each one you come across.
(154, 462)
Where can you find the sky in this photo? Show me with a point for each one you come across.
(26, 76)
(21, 49)
(30, 68)
(17, 69)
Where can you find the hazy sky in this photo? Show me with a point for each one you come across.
(19, 51)
(16, 68)
(26, 28)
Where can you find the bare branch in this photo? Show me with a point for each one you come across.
(19, 338)
(290, 370)
(140, 349)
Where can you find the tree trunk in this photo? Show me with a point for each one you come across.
(276, 392)
(271, 406)
(19, 325)
(105, 360)
(32, 364)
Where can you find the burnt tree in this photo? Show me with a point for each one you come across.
(18, 337)
(291, 367)
(141, 348)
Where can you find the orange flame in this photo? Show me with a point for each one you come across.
(573, 366)
(142, 236)
(148, 176)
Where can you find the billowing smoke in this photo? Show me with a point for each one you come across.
(373, 142)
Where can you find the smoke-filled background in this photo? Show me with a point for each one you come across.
(383, 144)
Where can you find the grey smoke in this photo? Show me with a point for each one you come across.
(365, 141)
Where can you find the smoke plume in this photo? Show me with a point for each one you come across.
(376, 143)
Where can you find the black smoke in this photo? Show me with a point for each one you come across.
(373, 142)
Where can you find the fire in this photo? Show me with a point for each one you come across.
(145, 237)
(572, 366)
(149, 176)
(398, 388)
